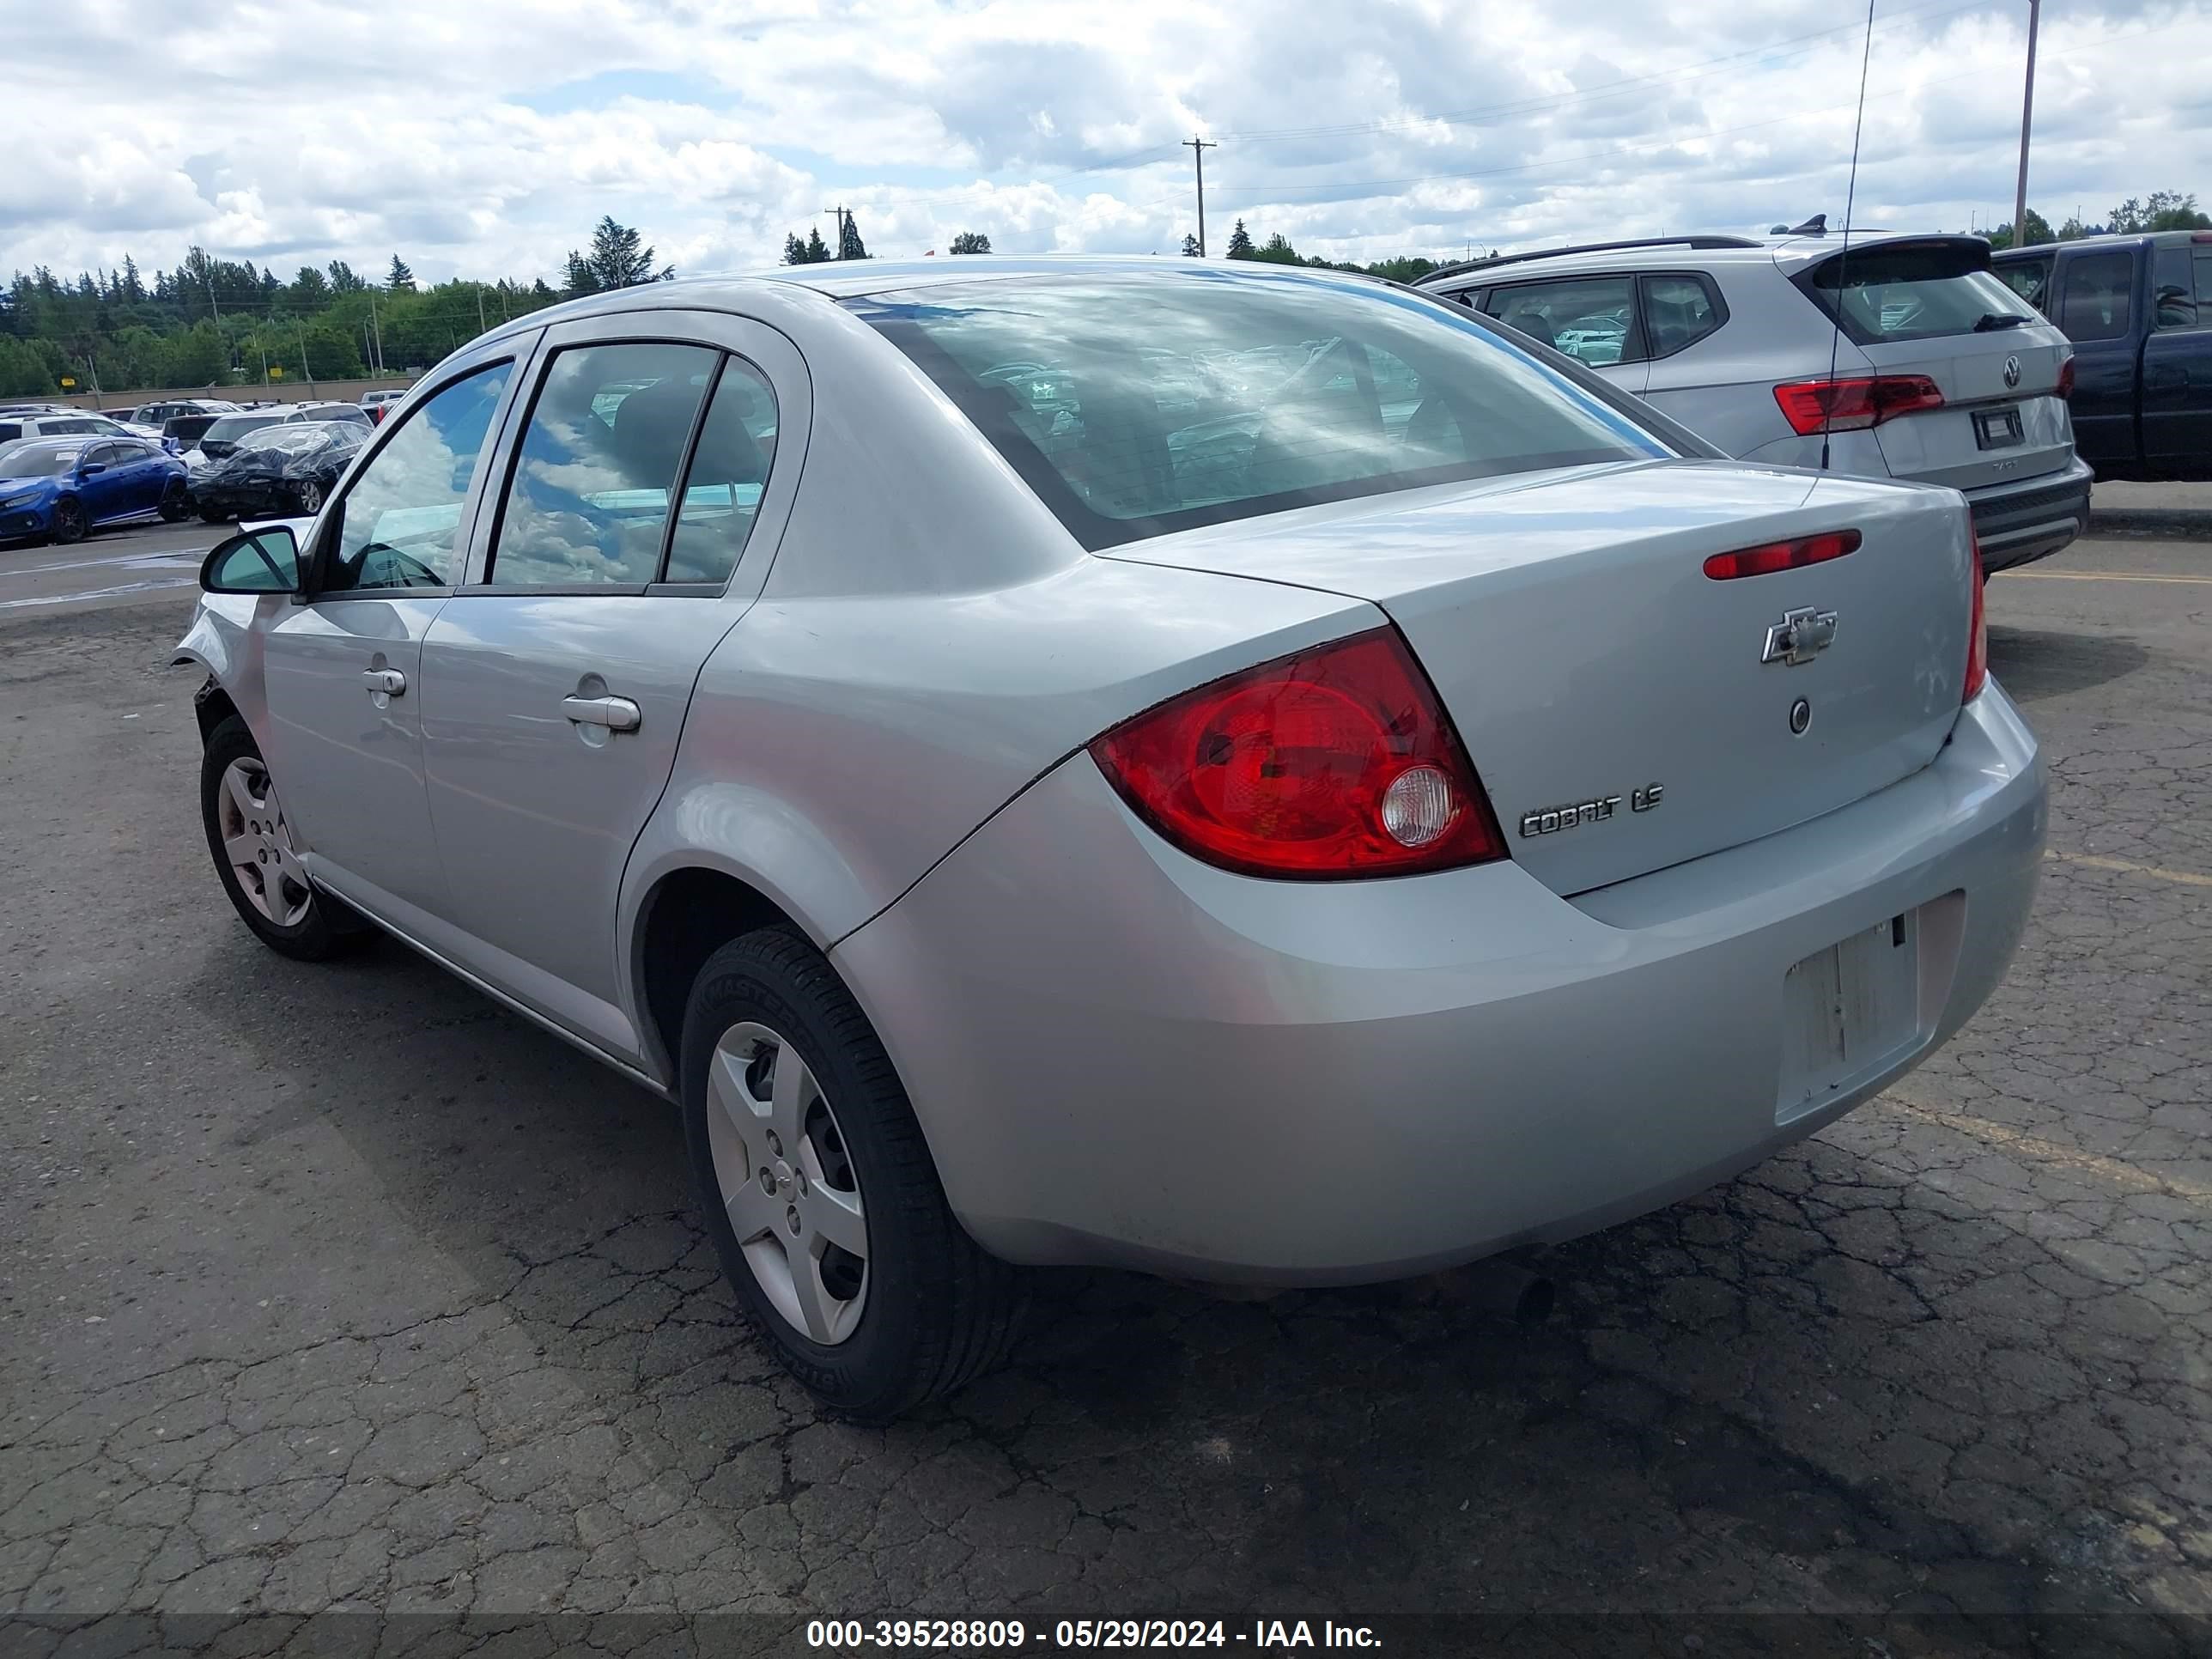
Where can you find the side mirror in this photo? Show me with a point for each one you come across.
(253, 561)
(91, 469)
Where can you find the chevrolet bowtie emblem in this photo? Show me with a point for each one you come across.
(1800, 636)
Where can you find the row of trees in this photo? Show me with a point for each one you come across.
(218, 323)
(2165, 209)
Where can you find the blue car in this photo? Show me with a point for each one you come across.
(57, 488)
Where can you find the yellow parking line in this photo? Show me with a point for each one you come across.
(2095, 576)
(2109, 1170)
(2128, 867)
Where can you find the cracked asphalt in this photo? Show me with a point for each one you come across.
(340, 1288)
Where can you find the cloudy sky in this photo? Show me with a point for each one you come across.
(483, 137)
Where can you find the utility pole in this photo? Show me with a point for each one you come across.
(837, 246)
(2027, 114)
(306, 367)
(1198, 147)
(377, 330)
(482, 325)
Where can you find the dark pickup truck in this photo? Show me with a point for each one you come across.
(2139, 312)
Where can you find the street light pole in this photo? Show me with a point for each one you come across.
(2027, 117)
(1198, 147)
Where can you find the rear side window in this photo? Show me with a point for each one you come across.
(2174, 289)
(723, 482)
(588, 502)
(1911, 291)
(1137, 406)
(1589, 318)
(2030, 279)
(2097, 293)
(1678, 311)
(10, 431)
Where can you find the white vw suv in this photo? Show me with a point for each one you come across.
(1938, 374)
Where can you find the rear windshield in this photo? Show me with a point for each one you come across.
(1138, 405)
(187, 427)
(232, 428)
(1914, 291)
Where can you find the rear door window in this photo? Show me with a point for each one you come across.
(588, 501)
(1912, 291)
(2173, 288)
(1678, 311)
(723, 481)
(2096, 296)
(2030, 279)
(1592, 317)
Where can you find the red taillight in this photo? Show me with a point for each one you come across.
(1331, 763)
(1977, 638)
(1855, 402)
(2066, 378)
(1783, 556)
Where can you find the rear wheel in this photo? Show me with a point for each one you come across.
(214, 515)
(250, 839)
(176, 500)
(311, 497)
(69, 523)
(819, 1191)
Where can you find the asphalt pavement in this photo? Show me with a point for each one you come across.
(338, 1287)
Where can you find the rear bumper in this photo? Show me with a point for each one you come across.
(1122, 1056)
(2016, 523)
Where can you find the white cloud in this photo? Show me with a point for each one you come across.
(485, 139)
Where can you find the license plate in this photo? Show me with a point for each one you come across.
(1848, 1012)
(1999, 429)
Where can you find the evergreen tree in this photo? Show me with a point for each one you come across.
(971, 241)
(134, 288)
(342, 279)
(1189, 246)
(579, 278)
(794, 251)
(616, 260)
(1240, 242)
(399, 279)
(817, 251)
(849, 244)
(541, 294)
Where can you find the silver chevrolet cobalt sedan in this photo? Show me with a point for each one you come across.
(1247, 773)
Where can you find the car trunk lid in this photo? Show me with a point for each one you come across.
(1611, 695)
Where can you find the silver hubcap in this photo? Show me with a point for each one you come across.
(787, 1182)
(257, 843)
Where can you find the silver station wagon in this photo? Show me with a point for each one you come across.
(1254, 775)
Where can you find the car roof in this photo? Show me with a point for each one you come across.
(1789, 252)
(2112, 239)
(844, 279)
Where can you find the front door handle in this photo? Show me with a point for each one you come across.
(389, 681)
(616, 713)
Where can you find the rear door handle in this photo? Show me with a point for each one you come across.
(616, 713)
(389, 681)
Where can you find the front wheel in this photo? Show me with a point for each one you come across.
(176, 500)
(819, 1192)
(250, 838)
(311, 496)
(214, 515)
(69, 523)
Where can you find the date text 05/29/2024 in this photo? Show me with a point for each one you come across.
(973, 1633)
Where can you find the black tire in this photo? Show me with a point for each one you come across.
(69, 523)
(176, 502)
(329, 926)
(214, 515)
(940, 1312)
(311, 497)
